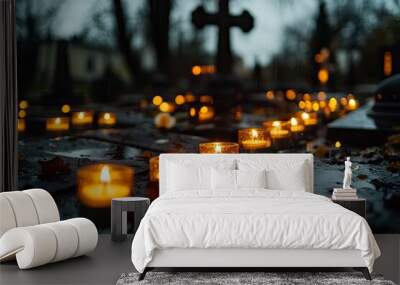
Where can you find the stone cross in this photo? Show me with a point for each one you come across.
(224, 21)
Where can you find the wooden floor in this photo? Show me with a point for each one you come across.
(103, 266)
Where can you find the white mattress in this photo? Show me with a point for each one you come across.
(253, 219)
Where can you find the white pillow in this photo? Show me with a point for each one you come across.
(251, 178)
(223, 179)
(182, 177)
(294, 180)
(282, 174)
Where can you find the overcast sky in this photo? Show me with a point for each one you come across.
(270, 18)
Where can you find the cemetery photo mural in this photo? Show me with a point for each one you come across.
(105, 86)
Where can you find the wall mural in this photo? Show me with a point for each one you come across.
(106, 86)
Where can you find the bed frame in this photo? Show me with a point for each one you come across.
(237, 259)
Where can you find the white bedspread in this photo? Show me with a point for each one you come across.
(250, 219)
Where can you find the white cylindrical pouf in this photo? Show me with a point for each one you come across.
(7, 218)
(23, 208)
(45, 205)
(87, 233)
(33, 246)
(67, 240)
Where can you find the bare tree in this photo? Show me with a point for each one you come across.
(124, 39)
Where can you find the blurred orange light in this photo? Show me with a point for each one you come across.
(290, 94)
(192, 112)
(167, 107)
(306, 97)
(23, 104)
(180, 99)
(387, 63)
(190, 98)
(65, 108)
(315, 106)
(157, 100)
(270, 95)
(332, 104)
(204, 109)
(22, 114)
(323, 75)
(302, 104)
(308, 106)
(206, 99)
(196, 70)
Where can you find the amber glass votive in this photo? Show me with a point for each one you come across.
(254, 138)
(296, 126)
(106, 119)
(206, 113)
(219, 147)
(57, 124)
(82, 118)
(154, 168)
(277, 129)
(21, 125)
(309, 119)
(99, 183)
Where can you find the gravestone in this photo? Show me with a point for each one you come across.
(386, 109)
(375, 120)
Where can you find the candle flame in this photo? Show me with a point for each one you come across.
(105, 175)
(276, 124)
(254, 133)
(305, 116)
(218, 148)
(293, 122)
(352, 103)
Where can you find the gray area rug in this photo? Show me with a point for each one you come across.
(229, 278)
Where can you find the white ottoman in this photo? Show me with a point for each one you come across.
(31, 232)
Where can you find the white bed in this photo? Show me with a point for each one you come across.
(248, 227)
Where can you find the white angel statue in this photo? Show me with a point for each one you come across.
(347, 174)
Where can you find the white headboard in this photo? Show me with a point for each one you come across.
(210, 158)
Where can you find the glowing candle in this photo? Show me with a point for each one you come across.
(99, 183)
(154, 168)
(295, 127)
(253, 139)
(167, 107)
(219, 147)
(57, 124)
(276, 129)
(21, 125)
(352, 104)
(107, 119)
(309, 119)
(206, 113)
(82, 118)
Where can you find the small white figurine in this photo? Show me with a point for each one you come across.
(347, 174)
